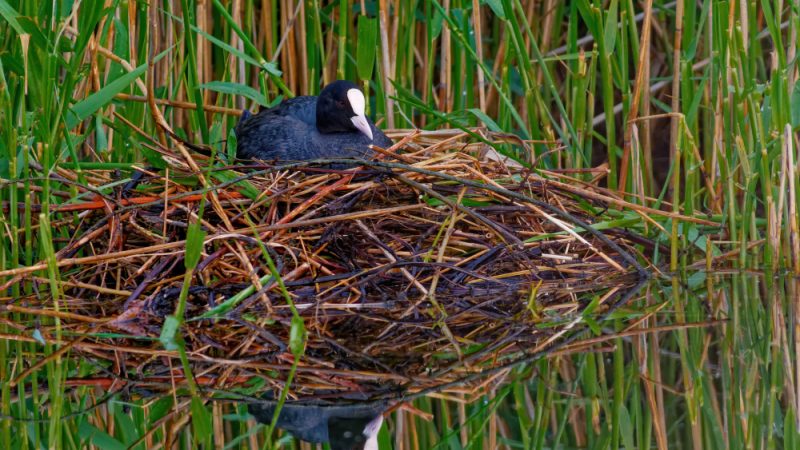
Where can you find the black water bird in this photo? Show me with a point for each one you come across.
(343, 425)
(332, 125)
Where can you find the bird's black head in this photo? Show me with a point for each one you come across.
(341, 109)
(359, 433)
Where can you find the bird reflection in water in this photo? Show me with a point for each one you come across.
(344, 425)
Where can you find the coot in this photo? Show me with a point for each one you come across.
(332, 125)
(341, 424)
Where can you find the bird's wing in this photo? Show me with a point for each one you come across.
(272, 136)
(307, 422)
(303, 108)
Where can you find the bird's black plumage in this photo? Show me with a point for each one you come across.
(310, 127)
(344, 425)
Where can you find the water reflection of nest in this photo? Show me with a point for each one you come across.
(412, 277)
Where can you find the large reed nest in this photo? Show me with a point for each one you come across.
(416, 272)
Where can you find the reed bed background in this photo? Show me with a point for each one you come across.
(688, 108)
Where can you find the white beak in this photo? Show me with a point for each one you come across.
(358, 103)
(371, 433)
(360, 122)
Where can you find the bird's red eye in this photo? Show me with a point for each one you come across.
(340, 103)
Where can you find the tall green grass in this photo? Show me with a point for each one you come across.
(701, 123)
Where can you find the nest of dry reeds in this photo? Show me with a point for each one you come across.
(413, 272)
